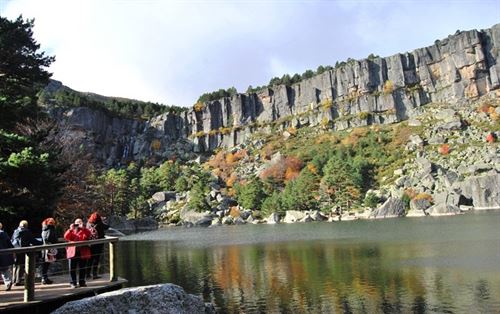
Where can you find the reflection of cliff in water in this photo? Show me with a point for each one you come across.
(317, 276)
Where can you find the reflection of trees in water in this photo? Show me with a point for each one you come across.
(301, 277)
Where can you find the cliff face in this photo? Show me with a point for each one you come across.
(370, 91)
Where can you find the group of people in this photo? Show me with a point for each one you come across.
(84, 258)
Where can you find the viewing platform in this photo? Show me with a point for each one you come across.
(36, 298)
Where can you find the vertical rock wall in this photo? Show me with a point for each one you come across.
(369, 91)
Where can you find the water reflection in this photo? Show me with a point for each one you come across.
(313, 276)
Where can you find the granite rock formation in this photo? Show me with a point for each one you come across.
(164, 298)
(465, 65)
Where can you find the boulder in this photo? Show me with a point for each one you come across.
(245, 214)
(419, 204)
(446, 114)
(228, 220)
(292, 216)
(273, 219)
(228, 202)
(163, 298)
(307, 218)
(449, 126)
(393, 207)
(415, 141)
(416, 213)
(189, 217)
(425, 165)
(316, 215)
(437, 139)
(443, 209)
(163, 196)
(483, 191)
(239, 221)
(215, 222)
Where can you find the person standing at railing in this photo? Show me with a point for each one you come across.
(77, 256)
(48, 256)
(6, 260)
(22, 237)
(97, 229)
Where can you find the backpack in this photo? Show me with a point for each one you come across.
(93, 233)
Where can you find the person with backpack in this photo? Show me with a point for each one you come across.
(22, 237)
(97, 228)
(77, 256)
(48, 256)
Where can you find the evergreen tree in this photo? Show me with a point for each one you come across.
(272, 204)
(22, 72)
(250, 195)
(197, 197)
(301, 193)
(29, 167)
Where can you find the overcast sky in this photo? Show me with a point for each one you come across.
(173, 51)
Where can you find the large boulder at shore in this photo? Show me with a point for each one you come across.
(393, 207)
(292, 216)
(191, 217)
(443, 209)
(482, 191)
(164, 298)
(274, 218)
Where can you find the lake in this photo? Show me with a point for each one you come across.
(406, 265)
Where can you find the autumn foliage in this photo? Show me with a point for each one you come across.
(354, 136)
(223, 164)
(444, 149)
(490, 138)
(283, 170)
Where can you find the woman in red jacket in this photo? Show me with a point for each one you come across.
(77, 256)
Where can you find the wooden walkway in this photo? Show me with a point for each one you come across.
(50, 297)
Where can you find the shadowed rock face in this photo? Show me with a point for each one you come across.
(165, 298)
(369, 91)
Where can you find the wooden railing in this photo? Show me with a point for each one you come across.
(30, 251)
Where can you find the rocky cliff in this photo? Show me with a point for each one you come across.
(463, 66)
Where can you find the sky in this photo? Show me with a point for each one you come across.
(171, 52)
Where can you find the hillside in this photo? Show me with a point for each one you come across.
(407, 135)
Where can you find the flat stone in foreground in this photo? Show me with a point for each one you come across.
(163, 298)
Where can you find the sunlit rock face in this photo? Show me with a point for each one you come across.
(463, 66)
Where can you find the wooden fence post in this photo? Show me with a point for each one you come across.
(29, 277)
(112, 262)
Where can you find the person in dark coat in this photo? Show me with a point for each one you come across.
(48, 256)
(97, 228)
(6, 260)
(22, 237)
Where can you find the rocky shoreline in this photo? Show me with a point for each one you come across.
(392, 208)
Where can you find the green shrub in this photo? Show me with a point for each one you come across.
(251, 194)
(272, 204)
(371, 200)
(197, 197)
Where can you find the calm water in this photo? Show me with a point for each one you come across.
(419, 265)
